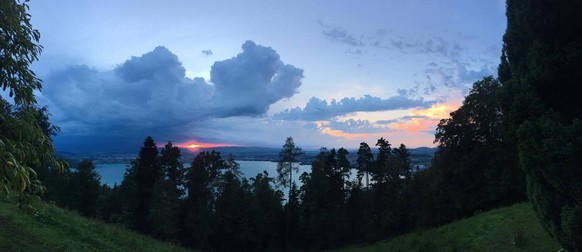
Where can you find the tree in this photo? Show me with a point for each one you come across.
(343, 167)
(18, 49)
(164, 209)
(233, 220)
(146, 171)
(201, 184)
(475, 158)
(165, 206)
(365, 159)
(542, 44)
(288, 158)
(269, 213)
(23, 144)
(172, 166)
(85, 188)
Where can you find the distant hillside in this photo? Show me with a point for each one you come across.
(54, 229)
(514, 228)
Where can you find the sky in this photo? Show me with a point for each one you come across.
(251, 73)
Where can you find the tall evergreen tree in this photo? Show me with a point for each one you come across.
(201, 184)
(288, 158)
(268, 212)
(543, 46)
(164, 211)
(147, 172)
(287, 165)
(84, 189)
(365, 158)
(172, 166)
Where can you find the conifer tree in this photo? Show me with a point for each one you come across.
(541, 79)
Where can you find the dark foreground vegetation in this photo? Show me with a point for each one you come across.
(519, 131)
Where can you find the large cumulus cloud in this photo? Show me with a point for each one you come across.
(151, 93)
(248, 83)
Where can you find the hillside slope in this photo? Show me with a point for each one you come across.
(55, 229)
(513, 228)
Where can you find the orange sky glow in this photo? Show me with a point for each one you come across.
(414, 132)
(194, 146)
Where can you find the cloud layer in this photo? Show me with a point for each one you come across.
(151, 93)
(317, 109)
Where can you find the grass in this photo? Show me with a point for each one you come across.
(55, 229)
(513, 228)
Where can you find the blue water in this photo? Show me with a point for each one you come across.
(113, 173)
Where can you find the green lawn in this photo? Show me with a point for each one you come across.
(55, 229)
(514, 228)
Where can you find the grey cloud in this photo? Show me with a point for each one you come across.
(401, 119)
(431, 45)
(340, 35)
(159, 64)
(150, 93)
(253, 80)
(356, 126)
(456, 74)
(317, 109)
(207, 52)
(386, 39)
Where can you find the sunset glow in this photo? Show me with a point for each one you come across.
(196, 146)
(437, 111)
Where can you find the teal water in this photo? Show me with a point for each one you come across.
(113, 173)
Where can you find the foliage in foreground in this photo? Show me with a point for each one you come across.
(513, 228)
(55, 229)
(25, 142)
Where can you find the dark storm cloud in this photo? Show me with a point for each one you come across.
(317, 109)
(151, 93)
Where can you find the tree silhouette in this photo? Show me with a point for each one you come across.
(541, 79)
(288, 158)
(365, 158)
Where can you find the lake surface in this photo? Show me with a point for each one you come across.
(113, 173)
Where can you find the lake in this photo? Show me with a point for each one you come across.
(113, 173)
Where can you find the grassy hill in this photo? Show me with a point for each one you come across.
(514, 228)
(55, 229)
